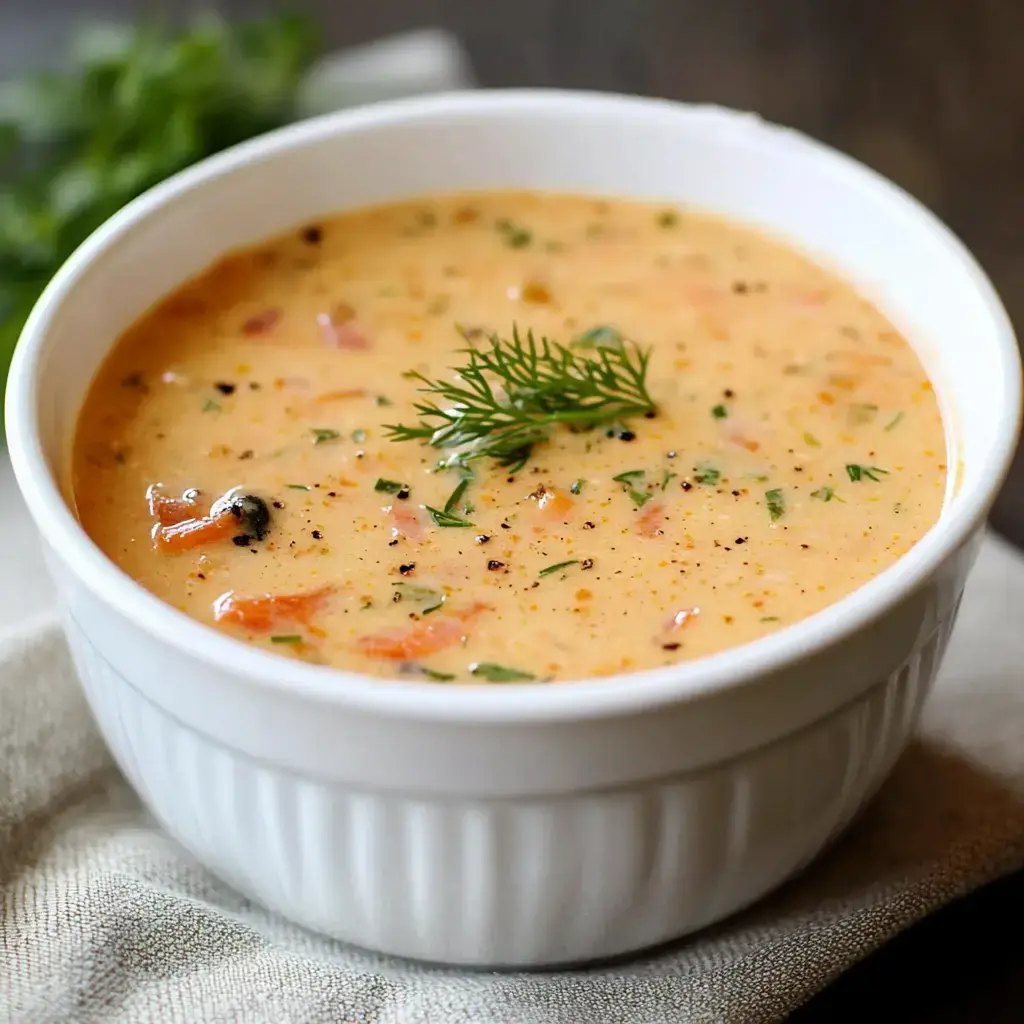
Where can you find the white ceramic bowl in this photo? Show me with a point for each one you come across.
(523, 824)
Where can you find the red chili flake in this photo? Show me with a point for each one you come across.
(262, 323)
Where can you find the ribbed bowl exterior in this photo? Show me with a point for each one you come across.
(511, 881)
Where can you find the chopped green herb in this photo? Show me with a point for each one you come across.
(719, 412)
(666, 479)
(826, 494)
(286, 638)
(499, 673)
(446, 518)
(454, 497)
(630, 476)
(410, 374)
(862, 412)
(297, 487)
(576, 487)
(439, 677)
(387, 486)
(894, 422)
(211, 406)
(628, 479)
(856, 472)
(322, 434)
(668, 219)
(599, 337)
(811, 441)
(383, 400)
(359, 436)
(776, 504)
(557, 566)
(707, 474)
(420, 595)
(515, 237)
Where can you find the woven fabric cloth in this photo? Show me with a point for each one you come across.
(103, 918)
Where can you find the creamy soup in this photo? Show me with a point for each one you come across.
(724, 439)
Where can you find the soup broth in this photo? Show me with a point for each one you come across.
(236, 453)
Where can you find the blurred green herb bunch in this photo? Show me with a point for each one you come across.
(136, 105)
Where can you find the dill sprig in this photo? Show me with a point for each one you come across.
(510, 394)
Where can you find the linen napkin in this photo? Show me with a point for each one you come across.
(104, 919)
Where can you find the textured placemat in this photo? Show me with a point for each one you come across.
(103, 918)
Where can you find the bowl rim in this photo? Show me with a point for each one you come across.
(625, 693)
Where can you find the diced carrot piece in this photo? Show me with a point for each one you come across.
(167, 510)
(341, 333)
(555, 504)
(421, 640)
(192, 533)
(744, 442)
(407, 522)
(651, 520)
(260, 614)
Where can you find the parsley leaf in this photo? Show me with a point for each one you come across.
(499, 673)
(856, 472)
(776, 503)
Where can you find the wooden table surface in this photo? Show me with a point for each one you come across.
(928, 92)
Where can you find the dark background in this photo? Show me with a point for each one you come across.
(926, 91)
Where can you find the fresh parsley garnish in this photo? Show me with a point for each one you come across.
(297, 487)
(826, 494)
(387, 486)
(666, 479)
(810, 440)
(286, 638)
(549, 570)
(576, 487)
(776, 503)
(630, 478)
(516, 237)
(508, 396)
(707, 474)
(856, 472)
(439, 677)
(499, 673)
(719, 412)
(323, 434)
(442, 518)
(894, 422)
(211, 406)
(420, 595)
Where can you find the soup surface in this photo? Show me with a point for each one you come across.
(765, 443)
